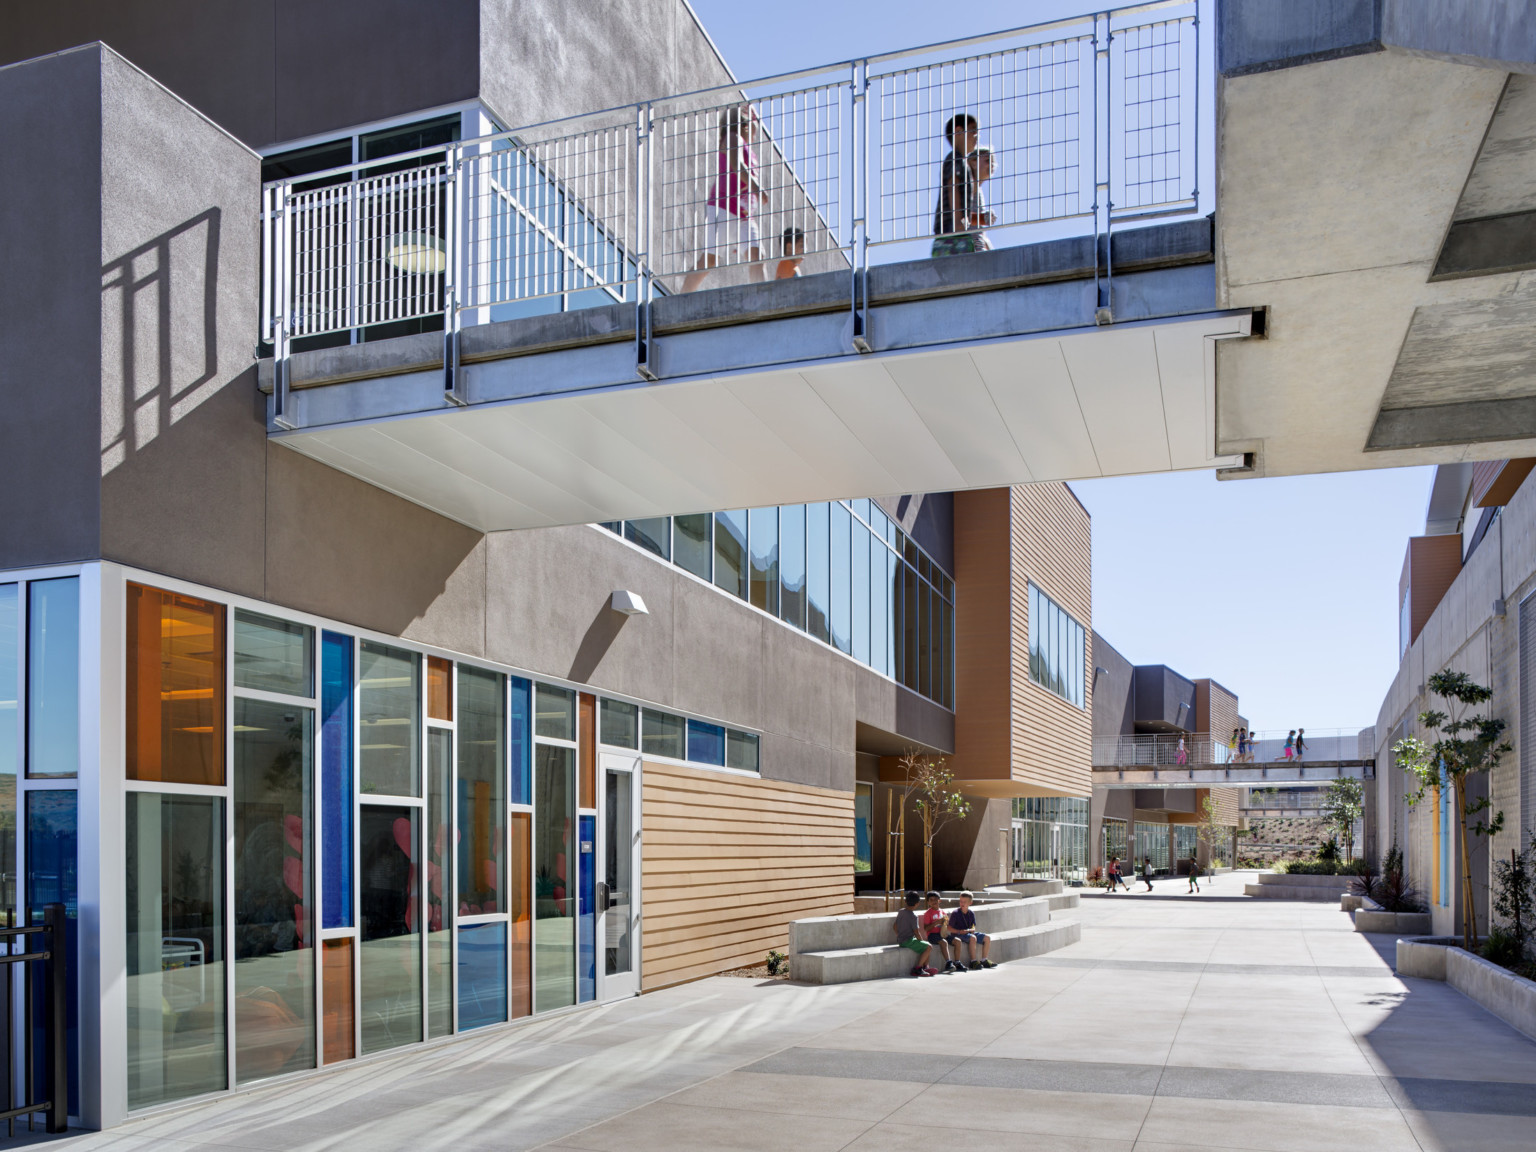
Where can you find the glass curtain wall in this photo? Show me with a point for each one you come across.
(1050, 838)
(1113, 834)
(1186, 843)
(843, 572)
(10, 737)
(1152, 841)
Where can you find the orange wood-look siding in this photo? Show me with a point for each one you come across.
(1226, 805)
(1215, 709)
(1050, 545)
(586, 748)
(1432, 564)
(983, 662)
(729, 861)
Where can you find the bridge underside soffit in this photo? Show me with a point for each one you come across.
(1383, 207)
(1055, 406)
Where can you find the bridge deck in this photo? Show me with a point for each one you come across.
(1272, 775)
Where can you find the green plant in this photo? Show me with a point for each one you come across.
(777, 962)
(1328, 851)
(938, 801)
(1468, 745)
(1512, 901)
(1503, 948)
(1343, 805)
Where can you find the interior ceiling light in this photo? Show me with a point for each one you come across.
(419, 253)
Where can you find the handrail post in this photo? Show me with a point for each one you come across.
(455, 272)
(282, 250)
(57, 1029)
(644, 209)
(858, 255)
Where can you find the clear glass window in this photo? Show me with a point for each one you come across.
(741, 750)
(482, 975)
(692, 539)
(654, 535)
(818, 571)
(863, 801)
(731, 552)
(620, 724)
(482, 807)
(440, 902)
(554, 929)
(10, 687)
(389, 952)
(53, 677)
(792, 564)
(389, 705)
(842, 590)
(662, 734)
(274, 655)
(763, 545)
(274, 928)
(556, 715)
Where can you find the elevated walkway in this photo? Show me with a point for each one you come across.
(1307, 774)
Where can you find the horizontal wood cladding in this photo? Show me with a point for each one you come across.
(1050, 545)
(983, 658)
(1215, 709)
(1226, 805)
(728, 861)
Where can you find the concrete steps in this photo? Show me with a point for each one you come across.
(1283, 886)
(842, 949)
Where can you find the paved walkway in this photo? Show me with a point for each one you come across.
(1214, 1022)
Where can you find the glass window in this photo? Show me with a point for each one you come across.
(621, 724)
(840, 575)
(818, 571)
(925, 626)
(522, 914)
(909, 656)
(482, 975)
(175, 689)
(861, 509)
(274, 655)
(706, 743)
(863, 801)
(52, 878)
(654, 535)
(482, 792)
(175, 927)
(691, 536)
(741, 750)
(1056, 649)
(880, 560)
(336, 988)
(554, 931)
(389, 953)
(439, 902)
(10, 733)
(731, 552)
(792, 564)
(336, 779)
(662, 734)
(618, 862)
(439, 689)
(274, 935)
(859, 588)
(763, 545)
(53, 677)
(389, 705)
(556, 716)
(521, 728)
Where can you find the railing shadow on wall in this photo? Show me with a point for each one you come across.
(1075, 127)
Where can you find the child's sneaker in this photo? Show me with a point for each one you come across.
(920, 971)
(983, 964)
(930, 971)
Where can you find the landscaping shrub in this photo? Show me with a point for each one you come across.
(777, 962)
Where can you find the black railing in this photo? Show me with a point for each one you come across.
(44, 1067)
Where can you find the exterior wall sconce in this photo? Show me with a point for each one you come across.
(629, 603)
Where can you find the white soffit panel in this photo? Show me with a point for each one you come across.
(1033, 392)
(1188, 396)
(949, 395)
(1115, 374)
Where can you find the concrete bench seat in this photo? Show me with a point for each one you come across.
(840, 949)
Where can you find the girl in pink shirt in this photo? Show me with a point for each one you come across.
(734, 196)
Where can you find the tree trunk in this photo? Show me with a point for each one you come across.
(1468, 907)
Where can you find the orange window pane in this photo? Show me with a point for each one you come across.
(336, 980)
(439, 688)
(522, 914)
(586, 749)
(175, 689)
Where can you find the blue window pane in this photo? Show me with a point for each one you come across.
(521, 742)
(586, 924)
(10, 698)
(52, 852)
(706, 743)
(818, 571)
(840, 575)
(53, 677)
(336, 779)
(792, 563)
(482, 975)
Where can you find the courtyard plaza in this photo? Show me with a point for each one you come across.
(1200, 1022)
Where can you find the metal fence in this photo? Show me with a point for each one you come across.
(1193, 749)
(38, 1040)
(1077, 126)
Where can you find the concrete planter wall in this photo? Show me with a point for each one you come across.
(1284, 886)
(1509, 997)
(1371, 918)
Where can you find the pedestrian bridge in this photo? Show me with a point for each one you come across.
(1204, 760)
(500, 329)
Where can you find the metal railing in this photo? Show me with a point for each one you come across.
(1159, 750)
(1080, 126)
(43, 1078)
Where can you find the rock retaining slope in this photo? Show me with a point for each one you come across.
(841, 949)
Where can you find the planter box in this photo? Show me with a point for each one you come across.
(1509, 997)
(1349, 902)
(1404, 922)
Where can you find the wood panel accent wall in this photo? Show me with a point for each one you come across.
(1226, 805)
(1050, 544)
(728, 861)
(1430, 568)
(1215, 709)
(983, 659)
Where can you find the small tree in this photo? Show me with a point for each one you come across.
(1207, 830)
(1343, 804)
(1513, 897)
(938, 801)
(1468, 745)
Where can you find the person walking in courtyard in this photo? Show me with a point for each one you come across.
(1115, 875)
(1146, 872)
(1301, 743)
(735, 195)
(954, 229)
(1194, 873)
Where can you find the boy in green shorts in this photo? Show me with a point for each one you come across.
(905, 928)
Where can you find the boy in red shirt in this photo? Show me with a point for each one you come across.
(933, 921)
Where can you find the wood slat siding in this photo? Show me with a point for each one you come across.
(1050, 544)
(983, 660)
(1226, 805)
(728, 861)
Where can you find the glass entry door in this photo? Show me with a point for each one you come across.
(618, 889)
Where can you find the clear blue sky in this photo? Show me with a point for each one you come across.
(1284, 590)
